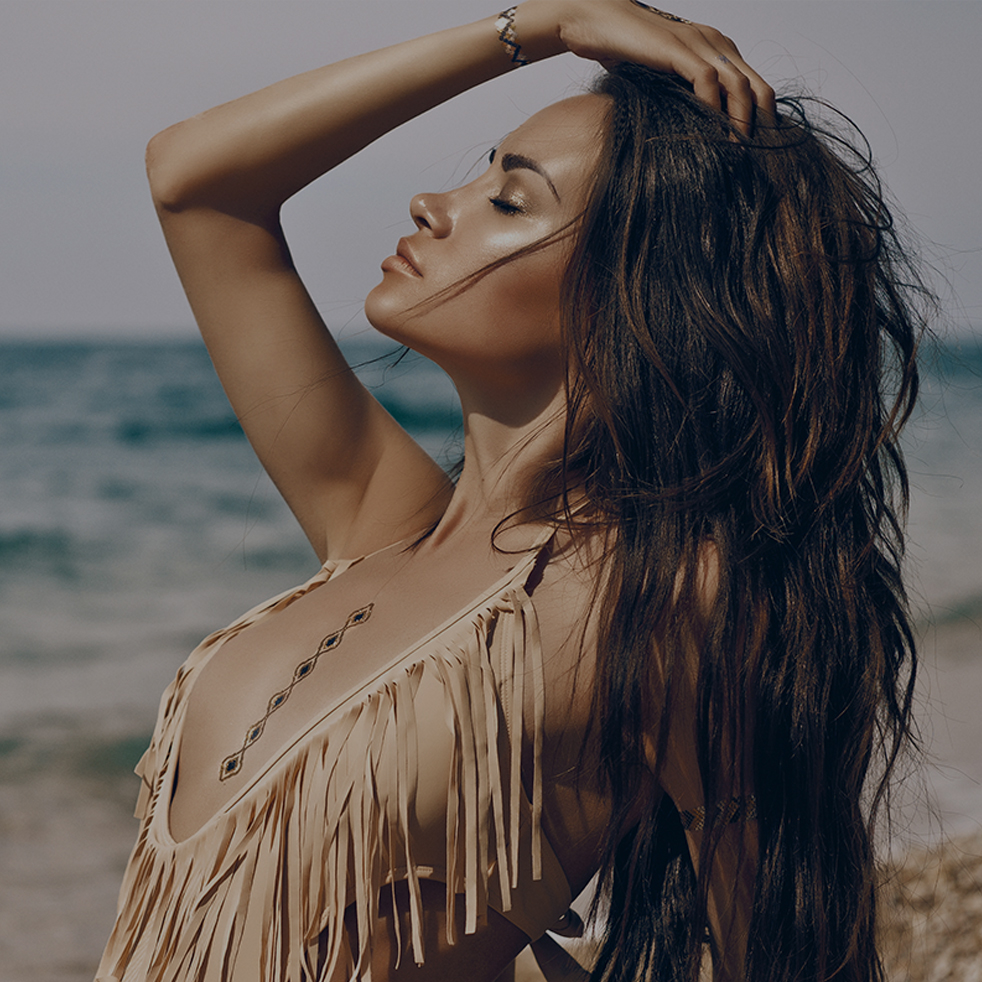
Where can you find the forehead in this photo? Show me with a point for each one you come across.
(565, 137)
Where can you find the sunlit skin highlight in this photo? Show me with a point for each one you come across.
(502, 328)
(687, 319)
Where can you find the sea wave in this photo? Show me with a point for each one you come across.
(189, 427)
(76, 748)
(421, 418)
(56, 552)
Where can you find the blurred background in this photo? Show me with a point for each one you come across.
(133, 517)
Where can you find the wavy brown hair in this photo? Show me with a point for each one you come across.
(741, 322)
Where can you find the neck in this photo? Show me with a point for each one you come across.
(507, 442)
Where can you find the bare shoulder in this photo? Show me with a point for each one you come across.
(566, 605)
(575, 808)
(570, 581)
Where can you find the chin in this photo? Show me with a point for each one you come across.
(389, 315)
(383, 313)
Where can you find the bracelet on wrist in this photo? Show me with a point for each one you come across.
(505, 26)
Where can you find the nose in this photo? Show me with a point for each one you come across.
(429, 211)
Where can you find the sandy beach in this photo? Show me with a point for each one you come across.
(64, 837)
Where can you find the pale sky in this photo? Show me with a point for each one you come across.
(85, 83)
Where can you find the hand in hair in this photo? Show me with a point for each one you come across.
(622, 30)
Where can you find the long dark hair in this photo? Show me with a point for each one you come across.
(741, 324)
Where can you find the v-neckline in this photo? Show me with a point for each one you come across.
(167, 786)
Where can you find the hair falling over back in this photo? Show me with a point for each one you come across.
(741, 323)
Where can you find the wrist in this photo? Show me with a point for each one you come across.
(537, 25)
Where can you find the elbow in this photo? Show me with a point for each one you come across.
(160, 171)
(190, 170)
(168, 170)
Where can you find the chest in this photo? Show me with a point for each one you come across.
(267, 684)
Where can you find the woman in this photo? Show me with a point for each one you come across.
(655, 629)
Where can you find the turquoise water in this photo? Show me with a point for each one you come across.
(135, 518)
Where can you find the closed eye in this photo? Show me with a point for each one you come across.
(505, 207)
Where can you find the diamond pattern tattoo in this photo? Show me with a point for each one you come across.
(232, 764)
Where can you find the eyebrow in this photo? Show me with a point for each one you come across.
(514, 161)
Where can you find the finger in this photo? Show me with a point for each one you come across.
(739, 96)
(713, 66)
(734, 88)
(701, 55)
(763, 102)
(720, 84)
(706, 84)
(765, 98)
(750, 101)
(681, 39)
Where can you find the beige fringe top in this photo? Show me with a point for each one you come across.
(415, 774)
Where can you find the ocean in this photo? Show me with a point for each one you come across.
(135, 517)
(134, 520)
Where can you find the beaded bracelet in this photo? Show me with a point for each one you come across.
(505, 26)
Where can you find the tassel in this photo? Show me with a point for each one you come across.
(330, 823)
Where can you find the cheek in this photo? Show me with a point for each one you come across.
(509, 315)
(527, 297)
(538, 285)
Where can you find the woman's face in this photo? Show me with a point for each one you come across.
(505, 325)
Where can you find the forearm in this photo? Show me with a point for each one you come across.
(248, 156)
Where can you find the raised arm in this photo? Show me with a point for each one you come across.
(352, 476)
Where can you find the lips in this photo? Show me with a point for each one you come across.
(404, 251)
